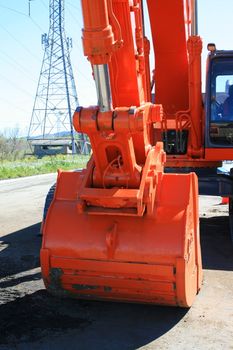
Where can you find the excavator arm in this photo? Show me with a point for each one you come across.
(122, 229)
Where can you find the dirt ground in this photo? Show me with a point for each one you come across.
(32, 319)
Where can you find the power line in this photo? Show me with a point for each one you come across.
(84, 76)
(39, 27)
(33, 21)
(36, 24)
(24, 14)
(77, 8)
(20, 67)
(15, 85)
(13, 10)
(10, 103)
(21, 44)
(76, 42)
(42, 1)
(75, 18)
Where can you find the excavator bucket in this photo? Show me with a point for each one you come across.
(117, 255)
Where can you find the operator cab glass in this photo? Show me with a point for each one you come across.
(221, 102)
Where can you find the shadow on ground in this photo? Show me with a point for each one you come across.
(216, 245)
(19, 251)
(40, 321)
(47, 321)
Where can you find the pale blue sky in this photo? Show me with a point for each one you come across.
(21, 51)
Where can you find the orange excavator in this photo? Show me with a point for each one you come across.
(123, 229)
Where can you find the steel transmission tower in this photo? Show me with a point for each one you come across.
(56, 96)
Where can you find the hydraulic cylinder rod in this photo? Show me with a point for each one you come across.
(98, 43)
(101, 76)
(194, 21)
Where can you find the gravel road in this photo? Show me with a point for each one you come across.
(32, 319)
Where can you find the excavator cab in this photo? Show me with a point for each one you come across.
(219, 101)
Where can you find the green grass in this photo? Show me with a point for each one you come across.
(33, 166)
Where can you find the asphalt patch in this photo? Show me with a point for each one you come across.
(38, 315)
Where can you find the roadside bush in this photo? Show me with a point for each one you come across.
(33, 166)
(15, 160)
(12, 147)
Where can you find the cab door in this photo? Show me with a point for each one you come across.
(219, 107)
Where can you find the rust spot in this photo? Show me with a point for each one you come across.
(55, 286)
(84, 287)
(55, 278)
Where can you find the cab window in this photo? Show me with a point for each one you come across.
(221, 104)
